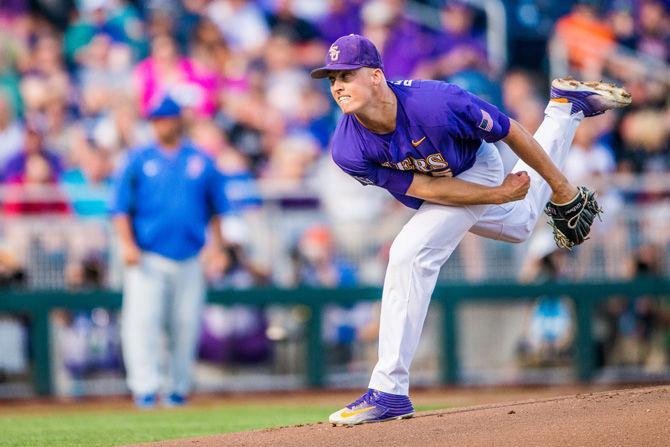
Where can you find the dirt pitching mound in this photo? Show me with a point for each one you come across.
(637, 417)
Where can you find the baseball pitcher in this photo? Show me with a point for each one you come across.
(464, 166)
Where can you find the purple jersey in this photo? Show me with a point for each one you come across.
(439, 128)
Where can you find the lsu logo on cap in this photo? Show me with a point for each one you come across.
(334, 53)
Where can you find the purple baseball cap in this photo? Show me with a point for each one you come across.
(349, 53)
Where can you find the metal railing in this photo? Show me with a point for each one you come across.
(47, 246)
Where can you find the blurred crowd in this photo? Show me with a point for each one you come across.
(78, 77)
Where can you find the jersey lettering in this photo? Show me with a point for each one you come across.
(434, 163)
(420, 164)
(437, 161)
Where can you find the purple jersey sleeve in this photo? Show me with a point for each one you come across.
(369, 173)
(476, 118)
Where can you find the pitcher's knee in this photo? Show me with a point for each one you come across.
(415, 258)
(402, 255)
(517, 234)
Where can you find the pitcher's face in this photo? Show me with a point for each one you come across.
(352, 90)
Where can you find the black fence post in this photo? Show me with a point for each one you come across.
(584, 341)
(41, 349)
(315, 354)
(450, 363)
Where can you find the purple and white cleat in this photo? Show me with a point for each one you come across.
(373, 406)
(590, 98)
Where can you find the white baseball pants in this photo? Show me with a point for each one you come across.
(161, 297)
(425, 243)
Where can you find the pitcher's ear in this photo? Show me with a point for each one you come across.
(377, 76)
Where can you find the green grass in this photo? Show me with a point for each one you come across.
(119, 427)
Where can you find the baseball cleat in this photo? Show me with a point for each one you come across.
(590, 98)
(145, 401)
(373, 406)
(174, 400)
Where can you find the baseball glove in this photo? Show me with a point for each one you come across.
(572, 221)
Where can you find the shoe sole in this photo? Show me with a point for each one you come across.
(618, 96)
(344, 424)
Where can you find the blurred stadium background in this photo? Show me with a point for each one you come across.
(76, 78)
